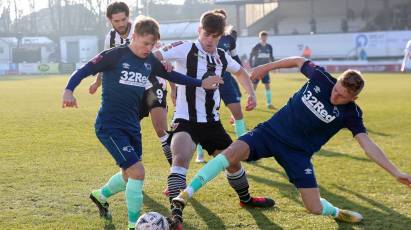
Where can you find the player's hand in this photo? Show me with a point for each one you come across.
(212, 82)
(93, 87)
(251, 102)
(404, 179)
(167, 65)
(68, 99)
(257, 73)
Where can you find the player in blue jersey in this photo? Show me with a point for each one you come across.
(261, 54)
(126, 72)
(155, 98)
(314, 114)
(229, 91)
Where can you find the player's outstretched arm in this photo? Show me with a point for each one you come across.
(68, 100)
(378, 156)
(258, 72)
(244, 78)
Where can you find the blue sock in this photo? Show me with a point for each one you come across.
(134, 200)
(328, 208)
(239, 127)
(209, 172)
(114, 185)
(268, 95)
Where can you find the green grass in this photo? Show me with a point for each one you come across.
(50, 160)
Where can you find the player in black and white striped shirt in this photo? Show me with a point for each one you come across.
(196, 117)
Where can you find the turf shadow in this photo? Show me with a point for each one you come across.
(378, 133)
(380, 215)
(329, 153)
(207, 215)
(262, 221)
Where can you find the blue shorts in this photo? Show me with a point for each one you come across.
(296, 163)
(265, 80)
(229, 91)
(124, 146)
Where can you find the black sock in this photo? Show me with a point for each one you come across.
(239, 183)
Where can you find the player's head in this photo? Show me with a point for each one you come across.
(348, 86)
(212, 26)
(117, 14)
(145, 36)
(263, 35)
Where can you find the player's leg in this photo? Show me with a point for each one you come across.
(182, 147)
(404, 62)
(156, 102)
(159, 121)
(200, 154)
(320, 206)
(125, 148)
(215, 140)
(255, 84)
(134, 192)
(267, 92)
(239, 123)
(300, 172)
(231, 97)
(251, 146)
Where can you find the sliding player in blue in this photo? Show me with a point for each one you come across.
(126, 71)
(314, 114)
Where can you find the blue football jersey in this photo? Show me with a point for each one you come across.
(125, 78)
(261, 54)
(227, 43)
(309, 119)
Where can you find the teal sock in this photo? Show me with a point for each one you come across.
(239, 127)
(114, 185)
(328, 208)
(209, 172)
(134, 199)
(268, 95)
(199, 151)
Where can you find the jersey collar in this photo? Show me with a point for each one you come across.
(200, 48)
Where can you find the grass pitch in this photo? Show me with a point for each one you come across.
(50, 160)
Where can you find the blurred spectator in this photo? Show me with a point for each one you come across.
(407, 56)
(307, 52)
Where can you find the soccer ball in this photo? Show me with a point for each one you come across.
(152, 221)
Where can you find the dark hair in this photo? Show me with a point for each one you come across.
(352, 81)
(263, 33)
(147, 25)
(213, 22)
(117, 7)
(221, 11)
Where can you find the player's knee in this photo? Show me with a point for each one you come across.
(136, 171)
(236, 152)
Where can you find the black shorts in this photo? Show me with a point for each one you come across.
(153, 97)
(212, 136)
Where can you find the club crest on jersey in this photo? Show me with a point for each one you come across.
(128, 148)
(126, 66)
(317, 89)
(316, 107)
(147, 65)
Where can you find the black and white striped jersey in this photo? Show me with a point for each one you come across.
(194, 103)
(113, 38)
